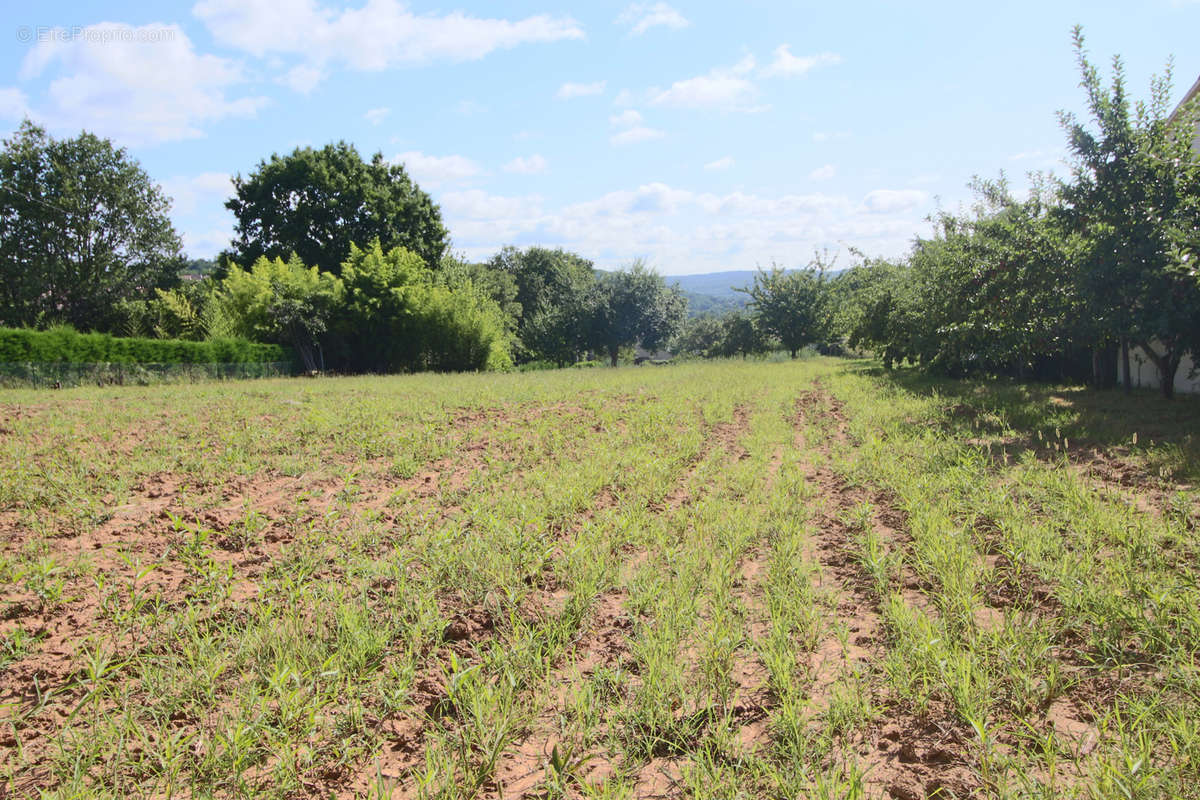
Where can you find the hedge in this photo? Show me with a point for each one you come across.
(21, 345)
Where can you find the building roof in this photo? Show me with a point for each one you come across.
(1192, 92)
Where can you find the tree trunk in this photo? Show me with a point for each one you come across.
(1167, 364)
(1125, 365)
(613, 352)
(794, 351)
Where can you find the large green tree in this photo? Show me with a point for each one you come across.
(635, 306)
(790, 305)
(82, 228)
(554, 299)
(1133, 174)
(314, 203)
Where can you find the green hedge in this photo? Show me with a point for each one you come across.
(19, 346)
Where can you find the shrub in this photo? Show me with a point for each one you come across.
(65, 345)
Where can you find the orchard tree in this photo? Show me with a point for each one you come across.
(741, 335)
(315, 203)
(1134, 175)
(635, 306)
(790, 305)
(82, 228)
(553, 302)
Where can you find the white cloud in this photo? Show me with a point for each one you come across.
(641, 17)
(303, 78)
(626, 119)
(631, 130)
(137, 85)
(379, 35)
(437, 170)
(376, 115)
(13, 103)
(787, 65)
(728, 89)
(634, 135)
(207, 242)
(823, 173)
(526, 165)
(624, 98)
(889, 201)
(720, 163)
(571, 90)
(678, 229)
(189, 194)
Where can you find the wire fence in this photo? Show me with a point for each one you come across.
(62, 375)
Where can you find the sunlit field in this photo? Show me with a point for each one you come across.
(756, 580)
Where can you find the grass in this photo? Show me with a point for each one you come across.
(715, 580)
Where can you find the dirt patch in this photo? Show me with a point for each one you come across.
(903, 755)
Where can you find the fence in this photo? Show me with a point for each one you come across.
(61, 375)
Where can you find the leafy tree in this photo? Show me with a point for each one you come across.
(790, 305)
(496, 284)
(555, 294)
(741, 335)
(315, 203)
(82, 227)
(635, 306)
(1134, 173)
(284, 302)
(398, 317)
(700, 336)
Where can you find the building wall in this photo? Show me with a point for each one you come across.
(1145, 374)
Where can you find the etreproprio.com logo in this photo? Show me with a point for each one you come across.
(93, 34)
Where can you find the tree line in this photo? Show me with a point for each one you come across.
(347, 261)
(1059, 284)
(343, 259)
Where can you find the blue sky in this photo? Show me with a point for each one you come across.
(699, 136)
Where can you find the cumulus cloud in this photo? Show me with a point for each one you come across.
(571, 90)
(630, 129)
(679, 229)
(889, 201)
(641, 17)
(376, 115)
(138, 85)
(625, 119)
(13, 103)
(787, 65)
(189, 194)
(527, 165)
(725, 88)
(823, 173)
(720, 163)
(635, 135)
(437, 170)
(379, 35)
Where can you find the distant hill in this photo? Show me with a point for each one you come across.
(716, 284)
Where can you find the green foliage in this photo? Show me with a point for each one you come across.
(387, 312)
(398, 317)
(65, 345)
(1134, 195)
(82, 228)
(635, 306)
(283, 302)
(315, 203)
(791, 305)
(731, 334)
(554, 299)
